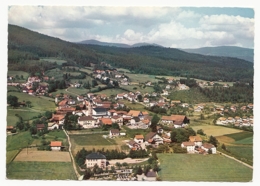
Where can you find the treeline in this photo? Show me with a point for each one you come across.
(238, 93)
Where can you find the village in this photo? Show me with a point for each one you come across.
(94, 110)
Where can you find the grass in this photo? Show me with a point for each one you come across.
(91, 139)
(54, 135)
(12, 88)
(196, 167)
(132, 132)
(134, 88)
(10, 155)
(77, 91)
(141, 78)
(38, 103)
(241, 136)
(111, 91)
(244, 153)
(26, 114)
(58, 61)
(215, 130)
(19, 73)
(40, 171)
(18, 141)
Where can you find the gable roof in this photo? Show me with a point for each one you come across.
(106, 121)
(208, 145)
(188, 143)
(134, 113)
(114, 131)
(151, 173)
(100, 109)
(195, 138)
(40, 126)
(55, 144)
(139, 136)
(85, 118)
(150, 135)
(95, 155)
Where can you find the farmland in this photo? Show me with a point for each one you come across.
(38, 103)
(40, 171)
(196, 167)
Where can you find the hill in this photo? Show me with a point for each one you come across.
(227, 51)
(24, 45)
(96, 42)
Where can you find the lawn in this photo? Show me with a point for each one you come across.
(40, 171)
(215, 130)
(91, 139)
(132, 132)
(206, 168)
(38, 103)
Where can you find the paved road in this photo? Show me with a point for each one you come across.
(73, 161)
(235, 159)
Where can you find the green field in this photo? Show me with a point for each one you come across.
(25, 113)
(10, 155)
(56, 73)
(40, 171)
(132, 132)
(243, 153)
(12, 89)
(53, 135)
(134, 88)
(91, 139)
(141, 78)
(205, 168)
(38, 103)
(19, 73)
(18, 141)
(111, 91)
(242, 137)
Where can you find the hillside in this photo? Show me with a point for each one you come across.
(24, 44)
(227, 51)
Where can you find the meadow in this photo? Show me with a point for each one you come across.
(203, 168)
(53, 60)
(38, 103)
(40, 171)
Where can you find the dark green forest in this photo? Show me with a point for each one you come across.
(24, 45)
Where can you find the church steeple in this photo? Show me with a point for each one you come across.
(90, 108)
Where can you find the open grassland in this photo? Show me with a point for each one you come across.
(141, 78)
(111, 91)
(38, 103)
(188, 96)
(55, 73)
(26, 114)
(12, 89)
(134, 88)
(77, 91)
(87, 70)
(196, 167)
(243, 153)
(132, 132)
(19, 73)
(18, 141)
(215, 130)
(40, 171)
(242, 137)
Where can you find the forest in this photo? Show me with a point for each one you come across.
(24, 45)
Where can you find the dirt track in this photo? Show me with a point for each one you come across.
(127, 160)
(43, 156)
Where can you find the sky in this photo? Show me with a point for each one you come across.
(168, 25)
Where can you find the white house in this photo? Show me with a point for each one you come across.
(87, 122)
(95, 158)
(114, 133)
(139, 138)
(55, 145)
(153, 138)
(190, 146)
(207, 146)
(196, 139)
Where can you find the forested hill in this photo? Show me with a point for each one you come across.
(227, 51)
(24, 44)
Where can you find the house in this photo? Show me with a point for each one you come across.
(106, 121)
(134, 145)
(56, 145)
(153, 138)
(150, 176)
(87, 122)
(99, 112)
(190, 146)
(117, 119)
(196, 139)
(139, 138)
(52, 126)
(135, 113)
(58, 118)
(207, 146)
(40, 127)
(9, 128)
(114, 132)
(80, 98)
(95, 158)
(176, 120)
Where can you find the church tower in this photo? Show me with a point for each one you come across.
(90, 108)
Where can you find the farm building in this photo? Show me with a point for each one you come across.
(95, 158)
(56, 145)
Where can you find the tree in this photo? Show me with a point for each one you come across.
(223, 147)
(154, 122)
(48, 114)
(12, 100)
(28, 103)
(115, 126)
(213, 141)
(87, 174)
(201, 132)
(140, 98)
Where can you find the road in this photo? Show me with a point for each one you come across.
(73, 161)
(235, 159)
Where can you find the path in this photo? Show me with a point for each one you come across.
(71, 92)
(235, 159)
(73, 161)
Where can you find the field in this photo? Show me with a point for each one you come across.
(32, 154)
(38, 103)
(204, 168)
(26, 114)
(90, 141)
(134, 88)
(141, 78)
(19, 73)
(40, 171)
(215, 130)
(110, 92)
(58, 61)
